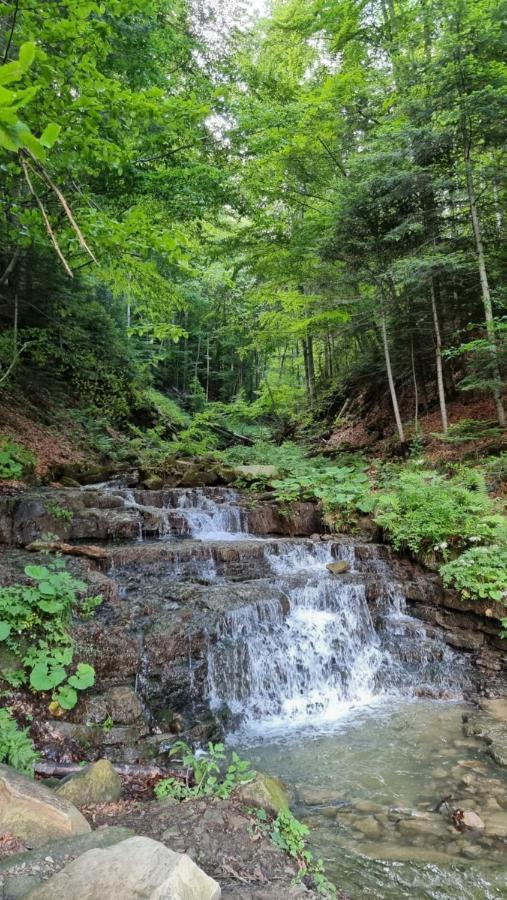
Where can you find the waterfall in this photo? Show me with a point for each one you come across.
(187, 512)
(311, 659)
(209, 520)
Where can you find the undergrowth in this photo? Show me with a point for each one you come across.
(16, 748)
(205, 774)
(291, 836)
(34, 620)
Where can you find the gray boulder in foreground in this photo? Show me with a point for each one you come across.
(136, 869)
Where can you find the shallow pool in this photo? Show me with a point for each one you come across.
(379, 789)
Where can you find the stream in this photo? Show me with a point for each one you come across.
(322, 679)
(325, 698)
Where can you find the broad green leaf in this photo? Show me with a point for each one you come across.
(50, 134)
(46, 588)
(26, 55)
(7, 141)
(66, 696)
(37, 572)
(84, 677)
(5, 630)
(39, 678)
(10, 72)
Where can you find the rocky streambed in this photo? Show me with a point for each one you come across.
(224, 618)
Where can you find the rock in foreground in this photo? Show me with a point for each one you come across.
(33, 813)
(136, 869)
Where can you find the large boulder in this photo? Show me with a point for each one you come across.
(136, 869)
(33, 813)
(97, 783)
(264, 792)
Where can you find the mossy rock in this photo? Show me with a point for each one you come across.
(339, 567)
(265, 792)
(97, 783)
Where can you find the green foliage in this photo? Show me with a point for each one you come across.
(480, 572)
(342, 491)
(291, 836)
(467, 430)
(207, 774)
(59, 512)
(16, 748)
(15, 461)
(34, 621)
(15, 135)
(423, 511)
(168, 409)
(287, 457)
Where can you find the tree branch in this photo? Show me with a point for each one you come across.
(45, 217)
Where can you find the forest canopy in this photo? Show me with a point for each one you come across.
(307, 208)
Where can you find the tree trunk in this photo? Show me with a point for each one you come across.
(392, 387)
(309, 369)
(486, 293)
(438, 355)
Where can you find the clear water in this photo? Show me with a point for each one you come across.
(361, 781)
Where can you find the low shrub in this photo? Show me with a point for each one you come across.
(423, 510)
(34, 621)
(16, 748)
(479, 572)
(206, 773)
(15, 461)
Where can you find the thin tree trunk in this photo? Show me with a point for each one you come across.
(438, 356)
(309, 372)
(416, 389)
(207, 369)
(392, 387)
(486, 293)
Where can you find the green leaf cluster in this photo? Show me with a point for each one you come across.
(480, 572)
(209, 775)
(15, 461)
(34, 620)
(16, 748)
(291, 836)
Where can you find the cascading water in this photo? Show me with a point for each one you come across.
(208, 520)
(311, 657)
(187, 512)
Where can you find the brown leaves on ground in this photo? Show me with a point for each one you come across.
(10, 845)
(49, 446)
(375, 430)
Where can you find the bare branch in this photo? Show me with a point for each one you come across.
(11, 266)
(45, 217)
(68, 212)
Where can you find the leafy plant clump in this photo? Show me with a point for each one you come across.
(15, 461)
(16, 748)
(34, 621)
(479, 572)
(206, 773)
(290, 835)
(59, 512)
(424, 511)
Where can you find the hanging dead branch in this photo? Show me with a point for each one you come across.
(32, 167)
